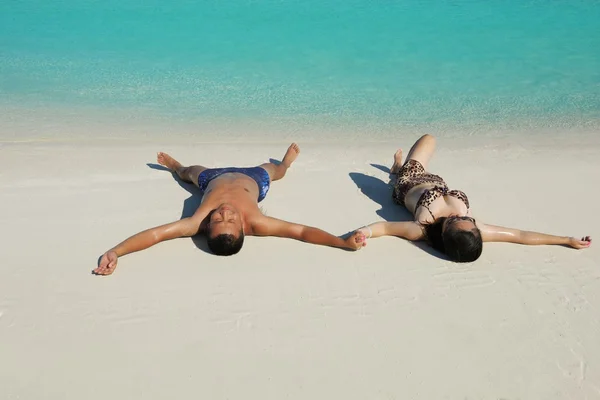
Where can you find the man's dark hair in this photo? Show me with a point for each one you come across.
(225, 244)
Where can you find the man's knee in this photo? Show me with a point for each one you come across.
(277, 171)
(281, 170)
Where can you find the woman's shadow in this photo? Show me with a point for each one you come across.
(381, 193)
(190, 205)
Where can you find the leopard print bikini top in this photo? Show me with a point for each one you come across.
(431, 195)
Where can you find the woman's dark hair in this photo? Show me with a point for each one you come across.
(433, 233)
(225, 244)
(459, 245)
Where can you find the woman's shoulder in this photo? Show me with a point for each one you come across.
(422, 217)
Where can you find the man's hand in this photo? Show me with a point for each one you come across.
(107, 264)
(356, 241)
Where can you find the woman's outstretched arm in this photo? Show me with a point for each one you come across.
(492, 233)
(409, 230)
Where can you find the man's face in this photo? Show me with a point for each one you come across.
(225, 220)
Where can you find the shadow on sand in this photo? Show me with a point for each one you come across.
(381, 193)
(190, 205)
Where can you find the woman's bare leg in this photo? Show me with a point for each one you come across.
(276, 172)
(421, 151)
(187, 174)
(397, 162)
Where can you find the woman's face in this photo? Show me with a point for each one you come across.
(459, 223)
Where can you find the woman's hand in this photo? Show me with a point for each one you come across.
(107, 264)
(585, 242)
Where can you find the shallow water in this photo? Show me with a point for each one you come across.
(444, 64)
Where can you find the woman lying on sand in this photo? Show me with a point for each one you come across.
(228, 212)
(442, 217)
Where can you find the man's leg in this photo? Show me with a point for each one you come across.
(276, 172)
(187, 174)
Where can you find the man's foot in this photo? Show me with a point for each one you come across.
(397, 162)
(291, 155)
(168, 161)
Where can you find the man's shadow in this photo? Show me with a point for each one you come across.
(190, 205)
(381, 193)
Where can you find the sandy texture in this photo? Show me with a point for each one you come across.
(284, 319)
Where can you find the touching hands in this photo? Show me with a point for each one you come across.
(107, 264)
(356, 241)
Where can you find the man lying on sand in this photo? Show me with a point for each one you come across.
(228, 212)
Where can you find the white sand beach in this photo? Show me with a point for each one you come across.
(284, 319)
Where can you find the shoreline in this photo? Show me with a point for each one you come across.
(88, 124)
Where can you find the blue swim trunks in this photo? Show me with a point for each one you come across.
(259, 174)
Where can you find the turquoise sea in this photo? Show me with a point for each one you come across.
(405, 63)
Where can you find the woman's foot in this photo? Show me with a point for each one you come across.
(168, 161)
(397, 162)
(290, 155)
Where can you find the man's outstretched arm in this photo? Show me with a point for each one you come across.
(276, 227)
(145, 239)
